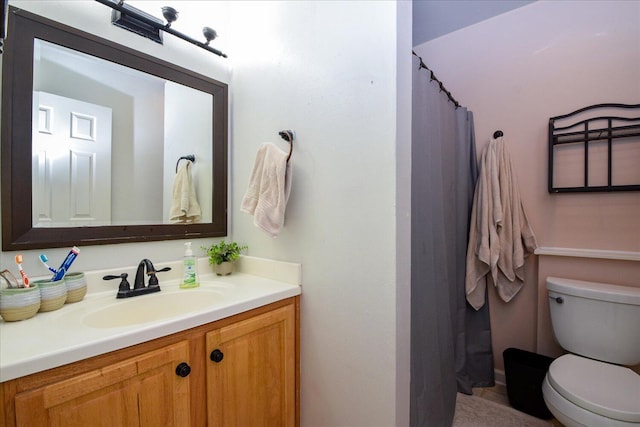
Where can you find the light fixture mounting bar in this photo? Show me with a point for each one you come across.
(131, 14)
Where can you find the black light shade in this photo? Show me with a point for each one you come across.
(170, 14)
(209, 34)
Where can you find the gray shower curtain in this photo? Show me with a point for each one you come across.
(450, 341)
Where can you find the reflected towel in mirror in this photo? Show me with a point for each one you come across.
(184, 204)
(268, 190)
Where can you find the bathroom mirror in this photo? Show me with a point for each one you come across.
(182, 111)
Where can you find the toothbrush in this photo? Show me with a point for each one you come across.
(71, 256)
(25, 279)
(43, 260)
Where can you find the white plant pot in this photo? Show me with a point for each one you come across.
(224, 269)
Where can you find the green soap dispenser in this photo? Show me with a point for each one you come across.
(189, 269)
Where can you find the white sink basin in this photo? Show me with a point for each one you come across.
(152, 307)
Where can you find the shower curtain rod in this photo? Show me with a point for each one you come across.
(433, 77)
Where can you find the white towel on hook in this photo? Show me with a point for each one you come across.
(268, 190)
(500, 236)
(185, 208)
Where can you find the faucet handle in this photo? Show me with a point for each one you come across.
(124, 284)
(153, 280)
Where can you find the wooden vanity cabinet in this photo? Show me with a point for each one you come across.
(254, 383)
(251, 372)
(143, 391)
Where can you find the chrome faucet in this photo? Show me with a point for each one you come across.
(139, 288)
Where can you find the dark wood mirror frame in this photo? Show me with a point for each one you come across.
(17, 88)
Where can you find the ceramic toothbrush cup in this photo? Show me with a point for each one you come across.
(19, 303)
(76, 285)
(52, 294)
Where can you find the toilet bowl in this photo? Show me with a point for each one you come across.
(585, 392)
(599, 324)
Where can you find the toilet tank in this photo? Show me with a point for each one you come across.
(596, 320)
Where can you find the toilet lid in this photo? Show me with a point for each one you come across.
(609, 390)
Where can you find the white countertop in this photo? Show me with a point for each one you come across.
(56, 338)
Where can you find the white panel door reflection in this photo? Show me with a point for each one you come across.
(71, 164)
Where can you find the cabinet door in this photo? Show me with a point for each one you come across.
(254, 383)
(142, 391)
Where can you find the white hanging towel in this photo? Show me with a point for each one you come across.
(500, 236)
(184, 204)
(268, 190)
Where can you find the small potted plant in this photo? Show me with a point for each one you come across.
(223, 255)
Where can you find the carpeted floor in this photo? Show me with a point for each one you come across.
(490, 408)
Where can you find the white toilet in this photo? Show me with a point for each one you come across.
(600, 325)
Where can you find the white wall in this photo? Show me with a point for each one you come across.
(403, 212)
(327, 70)
(517, 70)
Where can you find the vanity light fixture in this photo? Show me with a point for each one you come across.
(143, 24)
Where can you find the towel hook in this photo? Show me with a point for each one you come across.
(288, 135)
(189, 157)
(497, 134)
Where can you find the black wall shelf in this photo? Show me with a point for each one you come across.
(583, 128)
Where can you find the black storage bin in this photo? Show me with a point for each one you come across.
(524, 373)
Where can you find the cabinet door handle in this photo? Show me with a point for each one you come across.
(183, 369)
(216, 355)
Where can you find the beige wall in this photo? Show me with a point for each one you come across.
(517, 70)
